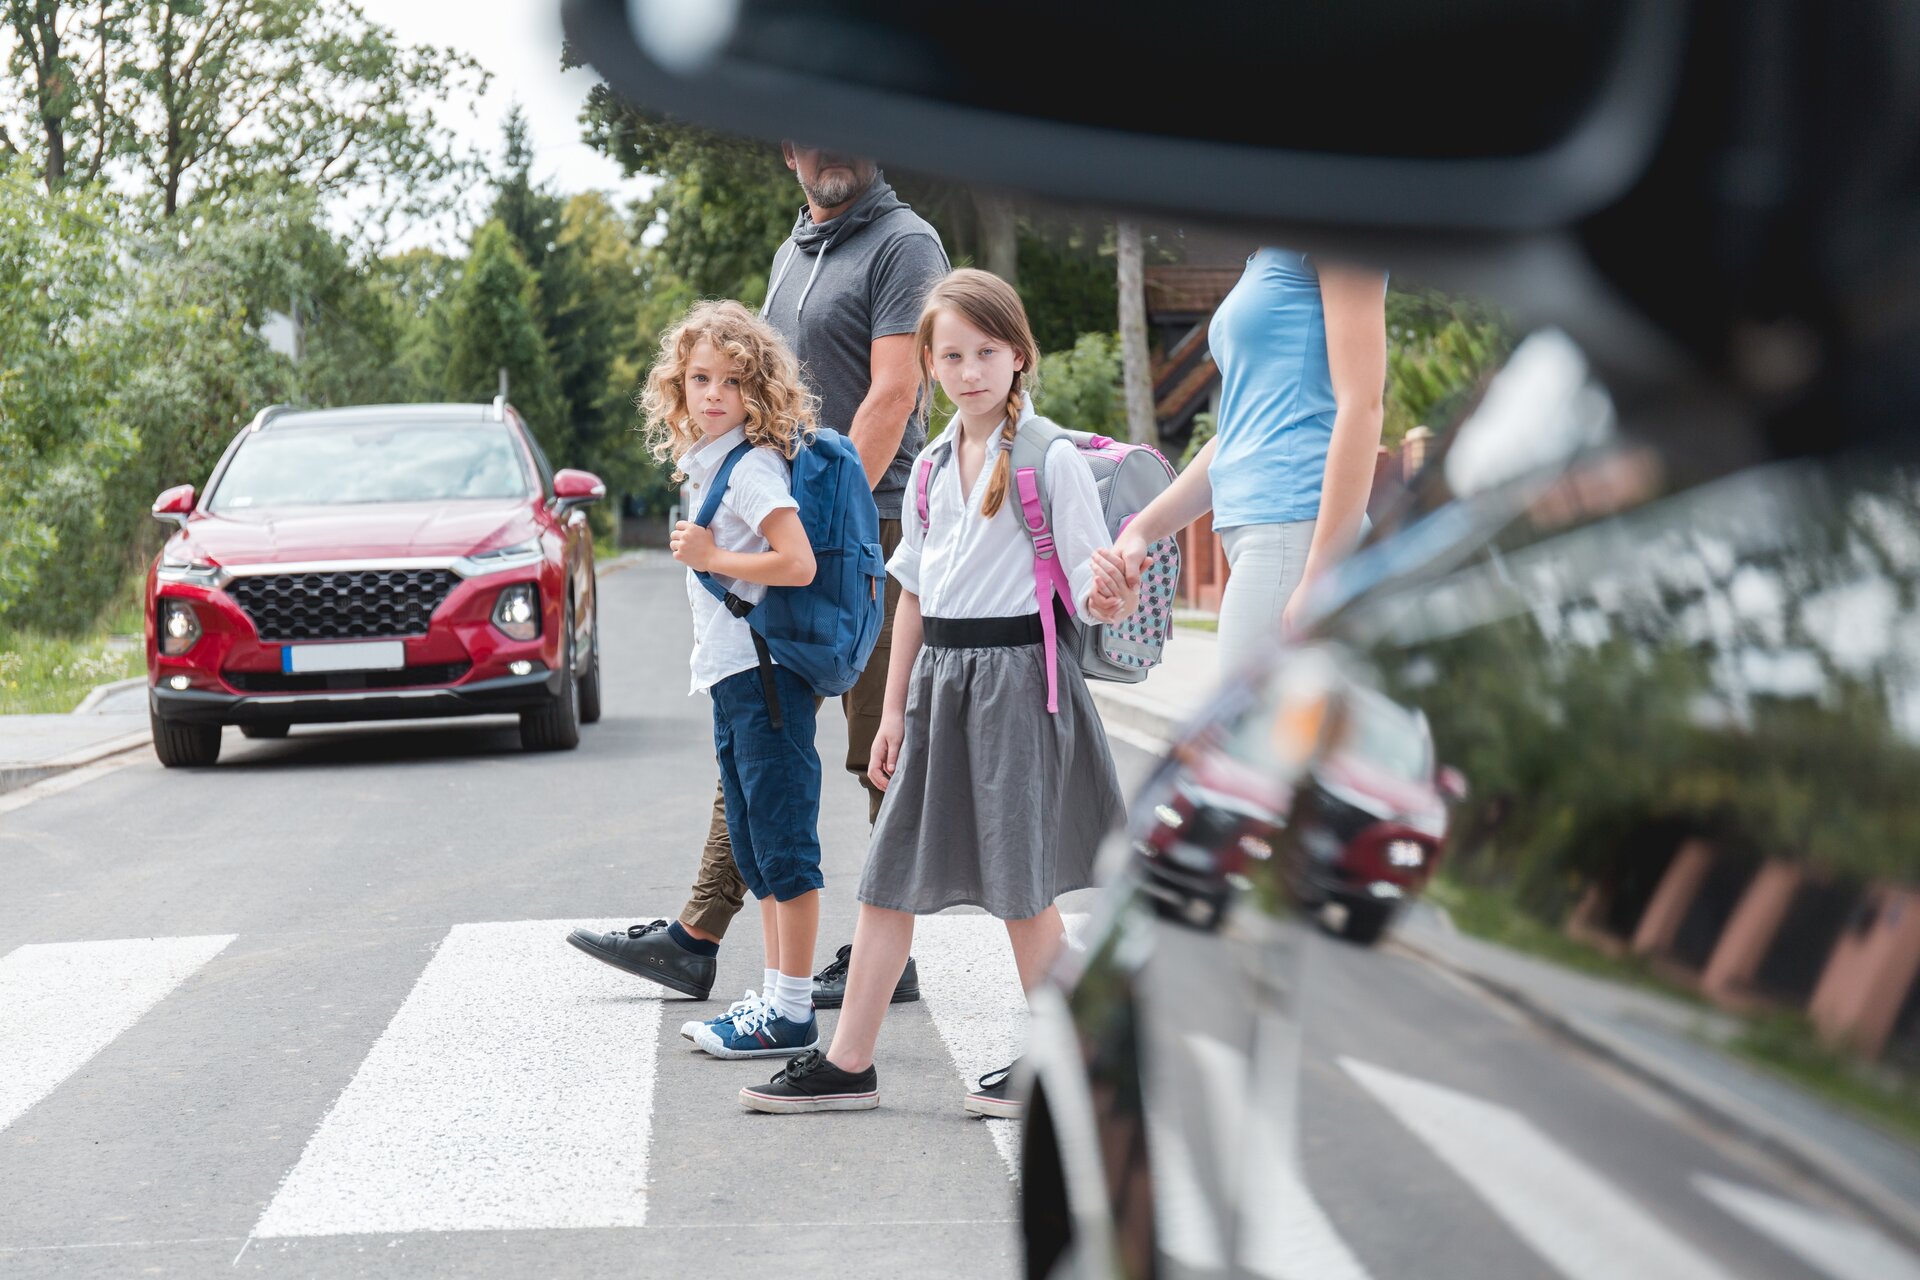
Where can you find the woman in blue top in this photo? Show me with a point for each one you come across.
(1302, 351)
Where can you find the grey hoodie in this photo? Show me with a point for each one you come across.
(837, 286)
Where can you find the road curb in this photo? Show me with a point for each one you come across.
(1120, 706)
(1810, 1159)
(15, 776)
(100, 692)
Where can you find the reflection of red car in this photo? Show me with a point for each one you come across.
(1371, 816)
(372, 564)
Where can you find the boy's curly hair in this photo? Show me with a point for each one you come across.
(780, 408)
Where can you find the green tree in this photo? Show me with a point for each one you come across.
(1440, 352)
(494, 324)
(62, 63)
(722, 206)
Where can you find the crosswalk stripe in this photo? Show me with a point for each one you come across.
(61, 1003)
(1839, 1248)
(491, 1100)
(972, 990)
(1570, 1215)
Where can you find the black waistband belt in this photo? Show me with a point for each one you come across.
(982, 633)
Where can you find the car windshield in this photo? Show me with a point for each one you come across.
(377, 462)
(1388, 738)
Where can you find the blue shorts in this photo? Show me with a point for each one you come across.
(771, 779)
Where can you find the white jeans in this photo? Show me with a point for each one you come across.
(1267, 561)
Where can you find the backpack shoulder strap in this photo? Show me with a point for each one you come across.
(925, 468)
(717, 488)
(1031, 445)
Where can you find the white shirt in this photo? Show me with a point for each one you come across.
(967, 566)
(722, 643)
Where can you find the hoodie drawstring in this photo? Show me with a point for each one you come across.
(778, 275)
(812, 275)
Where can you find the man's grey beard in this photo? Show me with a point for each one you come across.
(832, 192)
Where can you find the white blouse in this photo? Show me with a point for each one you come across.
(967, 566)
(758, 487)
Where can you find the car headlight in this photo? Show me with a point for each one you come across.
(513, 557)
(176, 566)
(517, 611)
(1405, 853)
(179, 627)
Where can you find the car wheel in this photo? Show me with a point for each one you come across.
(265, 729)
(184, 746)
(1365, 922)
(556, 726)
(590, 682)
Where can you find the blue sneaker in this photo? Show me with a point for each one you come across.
(759, 1033)
(752, 1000)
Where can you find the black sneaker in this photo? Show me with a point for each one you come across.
(996, 1095)
(830, 984)
(811, 1083)
(648, 951)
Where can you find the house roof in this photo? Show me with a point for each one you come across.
(1187, 291)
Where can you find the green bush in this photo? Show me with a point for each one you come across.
(1081, 387)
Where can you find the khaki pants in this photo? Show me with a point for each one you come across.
(718, 891)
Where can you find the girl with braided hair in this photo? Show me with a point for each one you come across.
(991, 799)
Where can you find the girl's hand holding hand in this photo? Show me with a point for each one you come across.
(1111, 606)
(693, 545)
(1112, 573)
(885, 754)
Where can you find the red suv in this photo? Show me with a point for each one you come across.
(374, 563)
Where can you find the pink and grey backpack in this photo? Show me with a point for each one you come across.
(1128, 477)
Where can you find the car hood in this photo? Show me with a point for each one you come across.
(1386, 795)
(359, 532)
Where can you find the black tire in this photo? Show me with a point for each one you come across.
(590, 682)
(556, 726)
(265, 729)
(184, 746)
(1365, 923)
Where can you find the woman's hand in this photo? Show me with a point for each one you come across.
(1131, 550)
(692, 545)
(885, 753)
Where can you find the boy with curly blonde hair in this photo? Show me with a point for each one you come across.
(723, 376)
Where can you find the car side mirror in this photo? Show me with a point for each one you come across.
(175, 505)
(1451, 783)
(573, 489)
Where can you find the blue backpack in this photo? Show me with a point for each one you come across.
(825, 631)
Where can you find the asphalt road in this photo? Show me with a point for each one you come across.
(310, 1012)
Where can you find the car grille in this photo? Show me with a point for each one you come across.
(365, 604)
(326, 681)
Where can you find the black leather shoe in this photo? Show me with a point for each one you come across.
(830, 984)
(648, 951)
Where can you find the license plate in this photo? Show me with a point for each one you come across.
(366, 655)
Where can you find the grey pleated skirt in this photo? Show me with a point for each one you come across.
(994, 802)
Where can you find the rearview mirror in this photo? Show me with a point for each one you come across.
(1552, 109)
(573, 489)
(175, 505)
(1451, 783)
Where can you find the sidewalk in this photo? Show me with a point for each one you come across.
(1172, 693)
(36, 747)
(1669, 1044)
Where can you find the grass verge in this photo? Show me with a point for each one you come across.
(41, 673)
(1495, 916)
(1783, 1044)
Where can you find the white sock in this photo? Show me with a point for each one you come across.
(793, 997)
(769, 979)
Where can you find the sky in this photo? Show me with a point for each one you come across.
(518, 41)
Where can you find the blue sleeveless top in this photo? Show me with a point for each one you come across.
(1269, 339)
